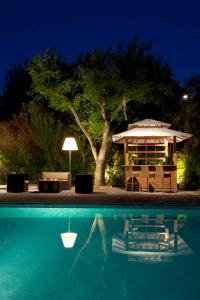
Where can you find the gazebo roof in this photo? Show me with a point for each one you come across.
(149, 123)
(142, 133)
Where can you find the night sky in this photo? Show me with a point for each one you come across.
(71, 27)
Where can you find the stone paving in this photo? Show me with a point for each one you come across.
(102, 196)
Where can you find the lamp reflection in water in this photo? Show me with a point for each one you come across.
(68, 238)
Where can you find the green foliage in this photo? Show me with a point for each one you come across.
(188, 167)
(114, 170)
(48, 74)
(16, 144)
(182, 220)
(192, 173)
(181, 168)
(103, 79)
(132, 157)
(33, 141)
(95, 126)
(47, 133)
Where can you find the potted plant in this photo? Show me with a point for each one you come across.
(132, 157)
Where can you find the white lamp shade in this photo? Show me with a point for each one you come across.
(69, 144)
(68, 239)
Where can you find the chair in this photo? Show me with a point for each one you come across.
(130, 175)
(161, 175)
(145, 174)
(129, 178)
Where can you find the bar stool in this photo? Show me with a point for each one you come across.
(130, 175)
(159, 177)
(129, 178)
(160, 174)
(145, 174)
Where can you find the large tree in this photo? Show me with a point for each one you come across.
(16, 84)
(189, 119)
(98, 87)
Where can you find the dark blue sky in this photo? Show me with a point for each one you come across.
(28, 27)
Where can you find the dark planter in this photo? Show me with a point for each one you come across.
(84, 183)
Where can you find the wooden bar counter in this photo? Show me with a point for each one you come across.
(155, 183)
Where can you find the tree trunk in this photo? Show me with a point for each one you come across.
(101, 158)
(100, 172)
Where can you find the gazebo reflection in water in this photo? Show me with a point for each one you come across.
(150, 155)
(150, 239)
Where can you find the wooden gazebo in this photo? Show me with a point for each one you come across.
(150, 143)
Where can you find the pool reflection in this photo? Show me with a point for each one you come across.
(151, 239)
(118, 254)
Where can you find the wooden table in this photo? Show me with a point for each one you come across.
(49, 186)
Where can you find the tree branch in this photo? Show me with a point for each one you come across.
(106, 133)
(118, 108)
(85, 131)
(103, 112)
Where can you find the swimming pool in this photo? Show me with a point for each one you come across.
(119, 253)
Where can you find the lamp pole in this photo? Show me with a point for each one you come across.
(69, 145)
(70, 161)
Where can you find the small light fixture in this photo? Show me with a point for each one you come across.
(69, 144)
(68, 238)
(185, 97)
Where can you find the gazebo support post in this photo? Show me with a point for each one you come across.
(126, 152)
(174, 150)
(166, 147)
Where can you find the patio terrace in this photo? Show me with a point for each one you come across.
(102, 196)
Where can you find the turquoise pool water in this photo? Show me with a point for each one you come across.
(119, 253)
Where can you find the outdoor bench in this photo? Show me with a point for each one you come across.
(63, 177)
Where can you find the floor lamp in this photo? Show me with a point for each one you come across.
(69, 145)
